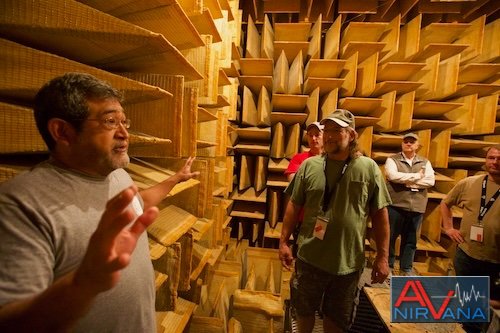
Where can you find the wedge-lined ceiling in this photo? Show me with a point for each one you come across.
(445, 11)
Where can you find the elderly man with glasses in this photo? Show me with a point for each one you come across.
(409, 175)
(73, 252)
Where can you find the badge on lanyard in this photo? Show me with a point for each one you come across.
(476, 232)
(320, 227)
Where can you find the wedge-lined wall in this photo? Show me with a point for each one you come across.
(235, 83)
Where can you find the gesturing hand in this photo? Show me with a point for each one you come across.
(185, 172)
(113, 242)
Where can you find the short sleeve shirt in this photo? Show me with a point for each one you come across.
(47, 216)
(296, 162)
(467, 195)
(361, 189)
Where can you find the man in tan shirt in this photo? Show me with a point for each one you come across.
(478, 237)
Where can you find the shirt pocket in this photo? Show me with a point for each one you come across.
(357, 197)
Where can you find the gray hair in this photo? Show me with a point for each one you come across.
(66, 97)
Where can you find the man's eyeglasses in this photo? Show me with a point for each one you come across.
(333, 131)
(112, 123)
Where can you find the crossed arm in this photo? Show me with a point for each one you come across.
(425, 178)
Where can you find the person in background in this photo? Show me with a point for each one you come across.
(478, 238)
(408, 177)
(73, 252)
(338, 192)
(314, 135)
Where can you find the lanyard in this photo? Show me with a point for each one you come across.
(328, 193)
(485, 206)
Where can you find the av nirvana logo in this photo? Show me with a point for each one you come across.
(439, 299)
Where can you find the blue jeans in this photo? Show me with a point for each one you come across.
(468, 266)
(404, 223)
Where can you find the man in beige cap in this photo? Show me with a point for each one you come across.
(338, 191)
(408, 177)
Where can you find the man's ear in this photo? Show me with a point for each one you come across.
(61, 131)
(353, 134)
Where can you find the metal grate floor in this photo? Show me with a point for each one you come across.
(366, 321)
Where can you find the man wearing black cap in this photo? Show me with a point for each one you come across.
(338, 191)
(408, 177)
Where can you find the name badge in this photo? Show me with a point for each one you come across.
(320, 227)
(476, 233)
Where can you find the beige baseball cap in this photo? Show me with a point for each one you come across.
(342, 117)
(410, 135)
(315, 124)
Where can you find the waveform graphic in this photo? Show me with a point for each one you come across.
(464, 297)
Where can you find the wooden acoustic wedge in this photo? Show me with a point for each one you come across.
(252, 49)
(274, 207)
(277, 165)
(205, 60)
(278, 143)
(360, 106)
(249, 113)
(325, 68)
(280, 74)
(332, 39)
(293, 138)
(328, 103)
(349, 74)
(314, 50)
(409, 37)
(403, 112)
(312, 107)
(267, 41)
(179, 29)
(247, 171)
(367, 76)
(296, 75)
(264, 108)
(385, 112)
(171, 224)
(260, 177)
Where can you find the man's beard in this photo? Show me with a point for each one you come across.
(336, 148)
(122, 163)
